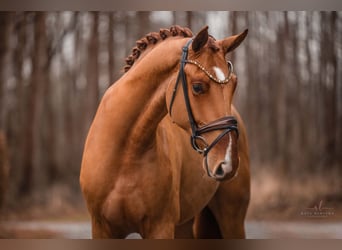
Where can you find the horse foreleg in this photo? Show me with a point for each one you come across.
(158, 230)
(205, 226)
(231, 223)
(99, 229)
(185, 230)
(102, 230)
(229, 206)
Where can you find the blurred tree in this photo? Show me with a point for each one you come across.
(143, 18)
(37, 81)
(111, 61)
(189, 19)
(4, 168)
(92, 75)
(5, 19)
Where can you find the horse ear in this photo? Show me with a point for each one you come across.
(200, 40)
(231, 43)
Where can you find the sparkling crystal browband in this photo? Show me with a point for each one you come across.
(200, 66)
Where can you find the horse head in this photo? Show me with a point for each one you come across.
(200, 101)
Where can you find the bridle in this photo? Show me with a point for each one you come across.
(226, 123)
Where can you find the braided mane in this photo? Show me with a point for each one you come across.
(153, 38)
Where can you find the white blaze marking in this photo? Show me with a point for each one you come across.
(228, 157)
(219, 73)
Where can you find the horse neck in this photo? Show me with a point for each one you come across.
(146, 87)
(152, 111)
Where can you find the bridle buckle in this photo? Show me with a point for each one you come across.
(195, 139)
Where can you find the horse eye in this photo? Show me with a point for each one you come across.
(197, 88)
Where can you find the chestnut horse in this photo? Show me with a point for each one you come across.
(140, 172)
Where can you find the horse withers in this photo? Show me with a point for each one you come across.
(166, 155)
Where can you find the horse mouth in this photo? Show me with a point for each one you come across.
(224, 172)
(226, 177)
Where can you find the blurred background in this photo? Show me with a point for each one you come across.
(55, 67)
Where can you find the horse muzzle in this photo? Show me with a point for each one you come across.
(221, 159)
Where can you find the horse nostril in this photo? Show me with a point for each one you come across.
(219, 170)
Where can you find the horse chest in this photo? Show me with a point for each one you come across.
(162, 185)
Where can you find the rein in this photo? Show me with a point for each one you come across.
(226, 123)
